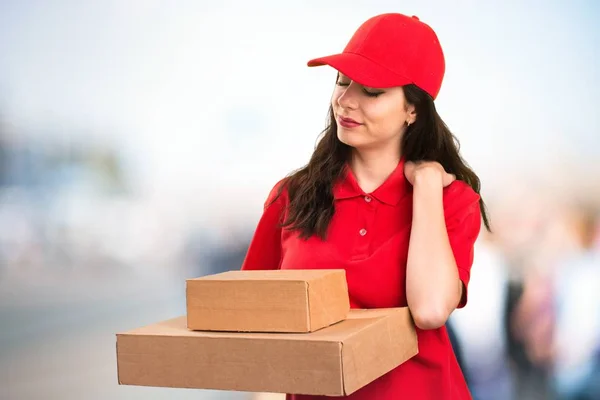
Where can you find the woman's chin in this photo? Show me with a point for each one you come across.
(350, 139)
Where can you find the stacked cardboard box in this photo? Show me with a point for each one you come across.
(268, 331)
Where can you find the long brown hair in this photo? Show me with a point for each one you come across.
(310, 188)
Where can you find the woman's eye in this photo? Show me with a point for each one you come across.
(370, 93)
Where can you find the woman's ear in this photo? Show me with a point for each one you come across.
(412, 114)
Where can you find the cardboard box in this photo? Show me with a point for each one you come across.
(289, 301)
(334, 361)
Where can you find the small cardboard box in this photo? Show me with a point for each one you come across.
(288, 301)
(334, 361)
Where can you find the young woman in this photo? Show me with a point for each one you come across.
(387, 197)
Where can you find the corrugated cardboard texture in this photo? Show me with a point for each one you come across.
(328, 300)
(333, 361)
(289, 301)
(390, 340)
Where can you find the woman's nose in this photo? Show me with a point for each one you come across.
(349, 97)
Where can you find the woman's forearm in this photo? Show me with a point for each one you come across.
(433, 288)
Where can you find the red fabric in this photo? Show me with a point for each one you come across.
(375, 265)
(391, 50)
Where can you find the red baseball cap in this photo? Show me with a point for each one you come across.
(391, 50)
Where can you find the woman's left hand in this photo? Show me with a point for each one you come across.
(427, 171)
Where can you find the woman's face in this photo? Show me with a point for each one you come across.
(370, 118)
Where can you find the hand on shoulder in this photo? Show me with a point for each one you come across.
(427, 172)
(459, 197)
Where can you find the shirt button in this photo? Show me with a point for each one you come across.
(362, 232)
(367, 199)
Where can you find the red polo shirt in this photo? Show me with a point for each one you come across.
(368, 237)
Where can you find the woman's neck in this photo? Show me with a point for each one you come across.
(371, 169)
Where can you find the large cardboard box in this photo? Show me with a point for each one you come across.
(334, 361)
(290, 301)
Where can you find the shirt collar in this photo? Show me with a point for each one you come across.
(390, 192)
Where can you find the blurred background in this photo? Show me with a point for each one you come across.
(140, 138)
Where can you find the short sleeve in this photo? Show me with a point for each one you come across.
(264, 251)
(463, 223)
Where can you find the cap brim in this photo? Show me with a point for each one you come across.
(361, 70)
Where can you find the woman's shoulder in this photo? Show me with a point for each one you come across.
(278, 195)
(460, 198)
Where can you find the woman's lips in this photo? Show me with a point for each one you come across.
(348, 122)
